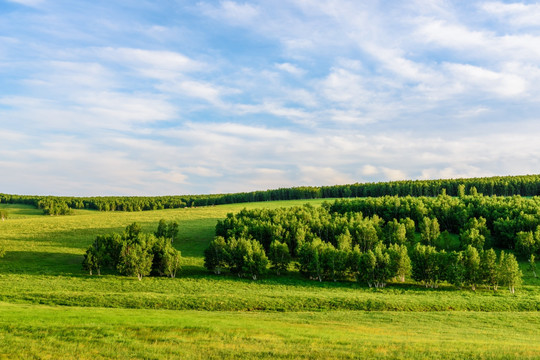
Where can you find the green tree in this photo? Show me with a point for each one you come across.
(396, 233)
(132, 231)
(161, 229)
(454, 270)
(471, 264)
(400, 263)
(425, 265)
(488, 269)
(171, 261)
(279, 256)
(532, 265)
(526, 244)
(472, 237)
(135, 259)
(429, 230)
(309, 257)
(255, 261)
(461, 190)
(509, 271)
(368, 263)
(216, 256)
(382, 271)
(91, 261)
(365, 235)
(328, 257)
(166, 259)
(410, 229)
(236, 249)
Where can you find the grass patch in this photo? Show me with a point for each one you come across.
(60, 332)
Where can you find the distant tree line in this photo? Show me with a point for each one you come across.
(338, 242)
(527, 185)
(134, 253)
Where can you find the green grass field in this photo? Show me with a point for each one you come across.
(50, 308)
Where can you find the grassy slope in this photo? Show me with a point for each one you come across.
(42, 266)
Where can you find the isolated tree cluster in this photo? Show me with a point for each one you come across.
(134, 253)
(340, 245)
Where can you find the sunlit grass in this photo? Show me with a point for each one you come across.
(82, 333)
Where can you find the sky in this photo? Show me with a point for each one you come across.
(193, 97)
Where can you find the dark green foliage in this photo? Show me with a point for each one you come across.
(309, 258)
(471, 266)
(425, 265)
(532, 264)
(395, 232)
(216, 256)
(167, 230)
(255, 260)
(509, 273)
(132, 253)
(410, 229)
(527, 243)
(166, 261)
(336, 242)
(54, 206)
(429, 230)
(475, 233)
(400, 263)
(488, 269)
(246, 257)
(279, 256)
(135, 259)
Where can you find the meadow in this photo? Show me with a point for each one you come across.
(51, 308)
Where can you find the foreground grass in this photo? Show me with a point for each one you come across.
(43, 332)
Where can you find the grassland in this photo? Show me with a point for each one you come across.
(50, 308)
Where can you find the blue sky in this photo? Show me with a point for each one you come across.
(185, 97)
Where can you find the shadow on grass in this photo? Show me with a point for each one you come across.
(40, 263)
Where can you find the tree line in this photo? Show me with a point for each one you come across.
(526, 185)
(134, 253)
(338, 245)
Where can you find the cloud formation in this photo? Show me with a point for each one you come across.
(153, 98)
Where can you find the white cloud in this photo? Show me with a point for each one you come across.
(162, 65)
(290, 68)
(517, 14)
(320, 175)
(369, 170)
(477, 78)
(343, 86)
(394, 174)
